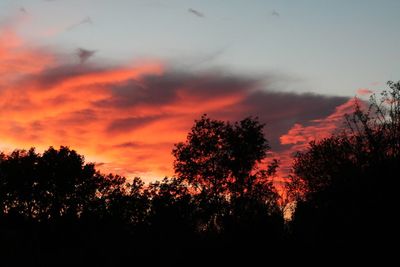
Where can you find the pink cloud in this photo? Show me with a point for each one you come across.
(299, 135)
(364, 91)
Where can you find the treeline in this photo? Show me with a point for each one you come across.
(221, 207)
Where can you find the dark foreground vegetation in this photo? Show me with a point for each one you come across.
(222, 207)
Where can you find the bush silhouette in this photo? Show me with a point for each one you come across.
(345, 185)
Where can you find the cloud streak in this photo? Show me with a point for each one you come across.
(364, 92)
(196, 13)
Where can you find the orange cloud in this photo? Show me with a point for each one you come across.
(127, 118)
(16, 58)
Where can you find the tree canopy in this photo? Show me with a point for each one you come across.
(344, 184)
(222, 158)
(222, 163)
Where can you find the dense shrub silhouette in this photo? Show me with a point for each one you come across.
(345, 185)
(51, 204)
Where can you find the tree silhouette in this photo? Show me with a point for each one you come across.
(54, 205)
(219, 158)
(344, 185)
(48, 186)
(235, 198)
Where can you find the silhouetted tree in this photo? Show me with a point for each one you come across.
(344, 185)
(235, 197)
(54, 205)
(48, 186)
(219, 157)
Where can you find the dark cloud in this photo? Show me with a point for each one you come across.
(127, 145)
(80, 118)
(55, 75)
(149, 90)
(218, 84)
(172, 86)
(130, 123)
(36, 126)
(281, 110)
(60, 100)
(196, 13)
(84, 54)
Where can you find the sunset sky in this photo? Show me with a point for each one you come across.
(121, 81)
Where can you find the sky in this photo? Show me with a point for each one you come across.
(122, 81)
